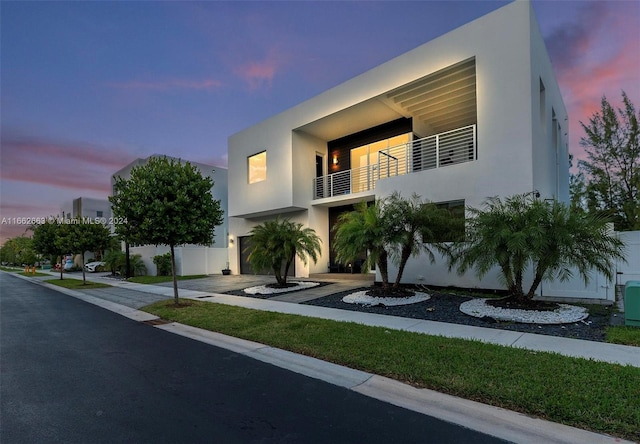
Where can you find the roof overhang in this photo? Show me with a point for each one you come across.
(437, 102)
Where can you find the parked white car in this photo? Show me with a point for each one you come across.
(92, 267)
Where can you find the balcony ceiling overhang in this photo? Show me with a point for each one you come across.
(437, 102)
(350, 120)
(266, 214)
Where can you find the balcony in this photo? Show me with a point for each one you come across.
(436, 151)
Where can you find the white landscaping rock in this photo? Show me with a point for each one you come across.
(362, 298)
(263, 289)
(562, 315)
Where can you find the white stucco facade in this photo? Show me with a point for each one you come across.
(511, 101)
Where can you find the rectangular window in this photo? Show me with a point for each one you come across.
(257, 167)
(543, 107)
(99, 213)
(454, 230)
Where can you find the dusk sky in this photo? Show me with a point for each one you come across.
(87, 87)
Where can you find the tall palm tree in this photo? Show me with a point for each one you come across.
(523, 232)
(276, 243)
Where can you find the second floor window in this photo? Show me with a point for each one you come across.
(257, 167)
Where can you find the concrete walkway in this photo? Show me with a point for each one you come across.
(505, 424)
(210, 289)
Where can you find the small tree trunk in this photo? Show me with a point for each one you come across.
(404, 257)
(61, 266)
(175, 279)
(384, 271)
(277, 274)
(84, 277)
(127, 261)
(286, 271)
(536, 282)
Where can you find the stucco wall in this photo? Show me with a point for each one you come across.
(550, 157)
(190, 260)
(500, 43)
(514, 153)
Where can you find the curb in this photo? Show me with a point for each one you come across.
(495, 421)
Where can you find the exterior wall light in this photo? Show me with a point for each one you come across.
(335, 160)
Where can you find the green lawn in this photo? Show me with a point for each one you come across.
(160, 279)
(625, 335)
(33, 274)
(587, 394)
(76, 284)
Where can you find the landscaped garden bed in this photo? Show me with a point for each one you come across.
(445, 307)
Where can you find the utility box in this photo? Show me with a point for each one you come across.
(632, 303)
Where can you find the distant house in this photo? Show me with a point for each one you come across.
(191, 259)
(474, 113)
(89, 208)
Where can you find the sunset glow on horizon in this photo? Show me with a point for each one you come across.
(87, 87)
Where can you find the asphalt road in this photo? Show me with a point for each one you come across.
(75, 373)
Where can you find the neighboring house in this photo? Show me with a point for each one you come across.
(474, 113)
(191, 259)
(90, 210)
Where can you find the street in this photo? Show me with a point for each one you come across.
(75, 373)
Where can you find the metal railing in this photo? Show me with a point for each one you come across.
(437, 151)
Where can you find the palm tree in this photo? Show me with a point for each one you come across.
(363, 230)
(114, 260)
(524, 232)
(276, 243)
(393, 228)
(415, 226)
(137, 265)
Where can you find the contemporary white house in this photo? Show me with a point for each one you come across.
(474, 113)
(191, 259)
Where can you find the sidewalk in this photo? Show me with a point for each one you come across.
(599, 351)
(494, 421)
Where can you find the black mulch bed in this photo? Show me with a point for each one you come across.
(443, 307)
(272, 295)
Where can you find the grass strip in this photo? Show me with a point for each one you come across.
(587, 394)
(76, 284)
(161, 279)
(625, 335)
(22, 273)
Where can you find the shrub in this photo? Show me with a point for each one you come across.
(115, 261)
(163, 262)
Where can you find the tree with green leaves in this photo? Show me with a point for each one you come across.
(415, 226)
(78, 236)
(166, 202)
(18, 251)
(393, 229)
(163, 264)
(363, 230)
(276, 243)
(612, 168)
(523, 233)
(114, 261)
(45, 237)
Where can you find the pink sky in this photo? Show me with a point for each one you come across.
(86, 89)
